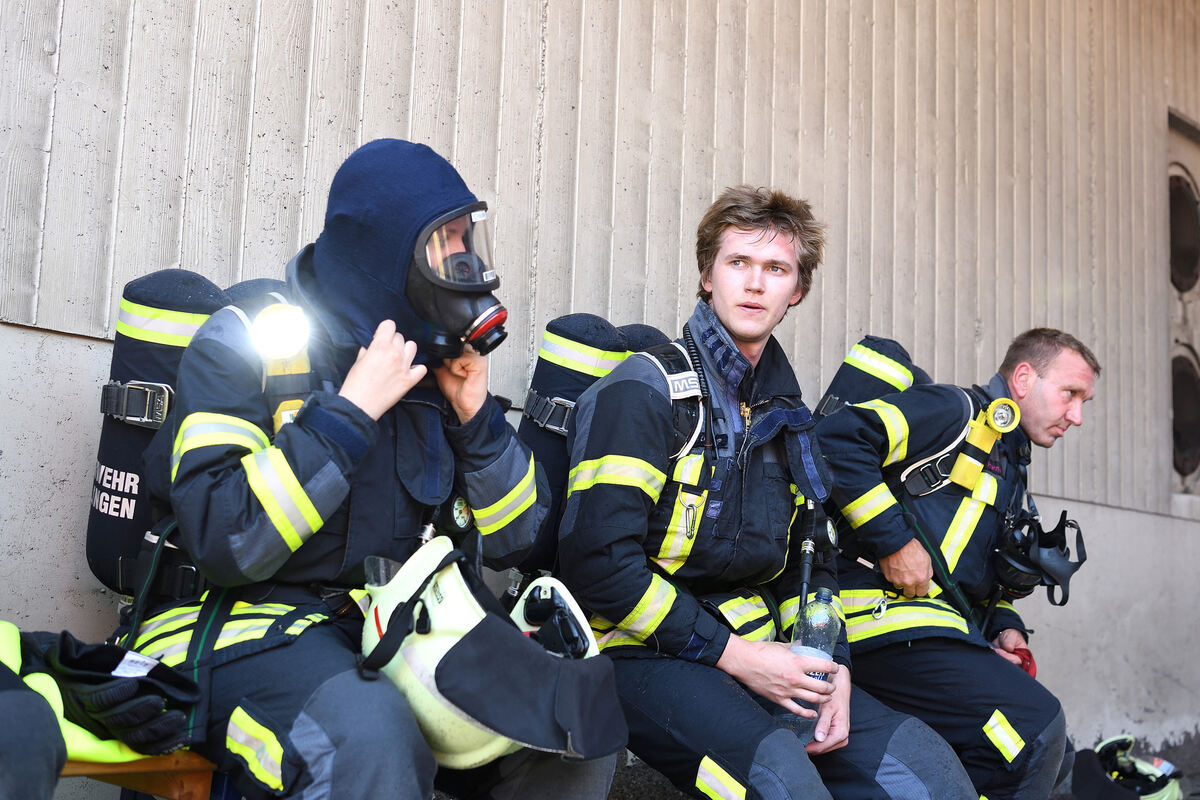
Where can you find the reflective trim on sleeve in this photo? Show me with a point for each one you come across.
(880, 366)
(896, 426)
(257, 746)
(619, 471)
(749, 618)
(157, 325)
(870, 612)
(869, 506)
(650, 611)
(490, 519)
(716, 783)
(282, 497)
(789, 610)
(608, 635)
(1004, 736)
(204, 429)
(579, 357)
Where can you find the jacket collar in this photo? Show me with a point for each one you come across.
(726, 367)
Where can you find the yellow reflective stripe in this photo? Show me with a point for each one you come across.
(362, 599)
(257, 746)
(985, 489)
(651, 609)
(242, 630)
(789, 609)
(1004, 736)
(898, 615)
(896, 426)
(490, 519)
(716, 783)
(619, 471)
(869, 506)
(680, 534)
(880, 366)
(204, 429)
(282, 497)
(960, 530)
(763, 633)
(10, 646)
(307, 622)
(241, 607)
(157, 325)
(609, 636)
(165, 622)
(740, 610)
(579, 357)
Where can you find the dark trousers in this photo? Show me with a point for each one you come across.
(341, 736)
(714, 738)
(32, 752)
(1008, 729)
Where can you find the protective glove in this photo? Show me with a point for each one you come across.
(116, 693)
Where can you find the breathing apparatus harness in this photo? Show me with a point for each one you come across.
(1025, 555)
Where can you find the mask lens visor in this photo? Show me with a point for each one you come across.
(458, 252)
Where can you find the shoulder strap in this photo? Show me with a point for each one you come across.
(683, 383)
(933, 472)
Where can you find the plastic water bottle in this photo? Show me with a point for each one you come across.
(814, 634)
(816, 631)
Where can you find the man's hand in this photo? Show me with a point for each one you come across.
(383, 373)
(909, 569)
(1006, 644)
(464, 382)
(770, 670)
(833, 727)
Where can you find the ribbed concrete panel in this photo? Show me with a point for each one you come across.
(982, 167)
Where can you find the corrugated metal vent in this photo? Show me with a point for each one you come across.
(1185, 234)
(1185, 389)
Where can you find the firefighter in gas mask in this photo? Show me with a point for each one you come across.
(321, 426)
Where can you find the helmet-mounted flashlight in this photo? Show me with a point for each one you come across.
(1003, 415)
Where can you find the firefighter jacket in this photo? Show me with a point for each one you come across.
(869, 446)
(290, 516)
(670, 556)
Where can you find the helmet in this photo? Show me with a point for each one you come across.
(478, 686)
(448, 610)
(1110, 772)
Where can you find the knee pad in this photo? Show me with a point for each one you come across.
(355, 734)
(781, 770)
(1046, 755)
(918, 764)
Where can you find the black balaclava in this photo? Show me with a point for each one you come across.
(381, 199)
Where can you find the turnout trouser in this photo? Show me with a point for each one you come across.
(299, 721)
(1008, 729)
(32, 752)
(713, 738)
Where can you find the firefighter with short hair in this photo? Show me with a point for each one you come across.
(929, 484)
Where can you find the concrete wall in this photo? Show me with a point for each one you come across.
(982, 167)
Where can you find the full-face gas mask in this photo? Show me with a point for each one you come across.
(451, 281)
(1027, 556)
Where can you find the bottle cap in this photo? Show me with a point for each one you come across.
(824, 594)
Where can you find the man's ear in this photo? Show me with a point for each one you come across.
(706, 280)
(1022, 380)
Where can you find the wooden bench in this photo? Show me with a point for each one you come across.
(177, 776)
